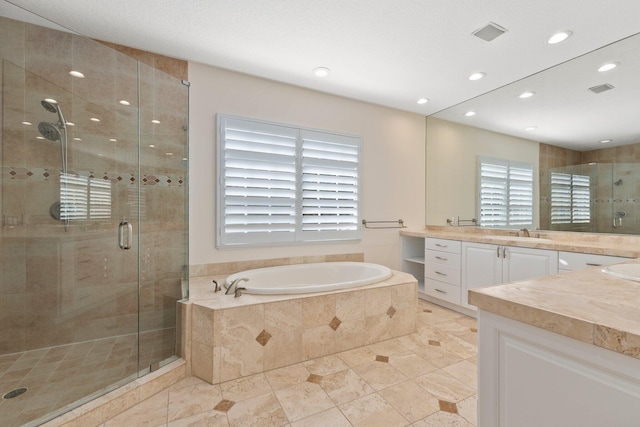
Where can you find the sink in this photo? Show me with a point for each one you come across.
(624, 271)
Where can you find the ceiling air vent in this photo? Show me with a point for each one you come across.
(489, 32)
(601, 88)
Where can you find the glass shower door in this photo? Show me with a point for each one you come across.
(70, 224)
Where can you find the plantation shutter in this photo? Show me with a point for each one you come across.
(99, 198)
(570, 198)
(73, 197)
(258, 168)
(282, 184)
(505, 193)
(329, 185)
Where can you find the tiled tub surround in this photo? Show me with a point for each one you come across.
(236, 337)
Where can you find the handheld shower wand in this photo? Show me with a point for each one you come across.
(52, 132)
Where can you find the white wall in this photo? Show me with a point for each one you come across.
(452, 152)
(393, 184)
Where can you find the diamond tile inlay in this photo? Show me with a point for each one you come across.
(335, 323)
(436, 343)
(474, 329)
(224, 405)
(313, 378)
(448, 406)
(263, 338)
(391, 312)
(426, 310)
(384, 359)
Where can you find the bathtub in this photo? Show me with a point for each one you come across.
(309, 278)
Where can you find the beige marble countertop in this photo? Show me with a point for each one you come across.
(590, 243)
(586, 305)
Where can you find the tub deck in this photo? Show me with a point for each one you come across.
(235, 337)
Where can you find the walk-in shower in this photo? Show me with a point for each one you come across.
(87, 304)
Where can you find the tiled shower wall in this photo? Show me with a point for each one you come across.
(60, 287)
(613, 164)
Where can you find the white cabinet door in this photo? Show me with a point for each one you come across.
(488, 265)
(525, 263)
(481, 266)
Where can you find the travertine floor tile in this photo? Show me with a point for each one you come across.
(151, 412)
(380, 375)
(259, 411)
(345, 386)
(357, 356)
(372, 411)
(325, 365)
(329, 418)
(464, 371)
(287, 376)
(468, 409)
(411, 364)
(302, 400)
(444, 387)
(244, 388)
(412, 401)
(192, 396)
(443, 419)
(204, 419)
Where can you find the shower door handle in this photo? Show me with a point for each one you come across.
(125, 235)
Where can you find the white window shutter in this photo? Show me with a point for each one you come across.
(570, 198)
(505, 193)
(330, 176)
(281, 184)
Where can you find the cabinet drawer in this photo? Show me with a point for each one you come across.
(440, 257)
(443, 245)
(442, 272)
(576, 261)
(442, 291)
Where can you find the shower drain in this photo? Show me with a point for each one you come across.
(15, 393)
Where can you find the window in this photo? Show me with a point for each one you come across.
(505, 193)
(83, 197)
(570, 198)
(282, 184)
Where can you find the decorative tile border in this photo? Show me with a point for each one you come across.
(52, 174)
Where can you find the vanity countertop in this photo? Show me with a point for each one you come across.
(589, 243)
(587, 305)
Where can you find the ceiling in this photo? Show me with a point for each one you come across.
(382, 51)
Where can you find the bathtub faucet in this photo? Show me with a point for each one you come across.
(232, 287)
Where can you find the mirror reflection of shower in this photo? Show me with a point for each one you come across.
(57, 133)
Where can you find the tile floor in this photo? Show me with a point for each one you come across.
(424, 379)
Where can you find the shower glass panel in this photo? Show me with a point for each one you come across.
(595, 197)
(93, 220)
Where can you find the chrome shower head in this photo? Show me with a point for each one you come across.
(49, 106)
(49, 131)
(53, 107)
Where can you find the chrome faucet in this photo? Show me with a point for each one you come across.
(231, 289)
(525, 232)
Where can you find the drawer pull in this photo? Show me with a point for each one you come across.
(441, 245)
(442, 274)
(441, 291)
(441, 258)
(592, 264)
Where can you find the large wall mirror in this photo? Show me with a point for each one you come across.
(588, 125)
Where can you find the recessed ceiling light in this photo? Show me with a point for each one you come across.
(184, 158)
(423, 101)
(124, 102)
(27, 123)
(321, 71)
(77, 74)
(470, 113)
(39, 137)
(169, 154)
(77, 139)
(530, 128)
(70, 124)
(525, 95)
(152, 146)
(559, 37)
(609, 66)
(476, 76)
(94, 119)
(113, 140)
(606, 141)
(155, 122)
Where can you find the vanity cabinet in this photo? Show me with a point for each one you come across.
(442, 269)
(487, 265)
(572, 261)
